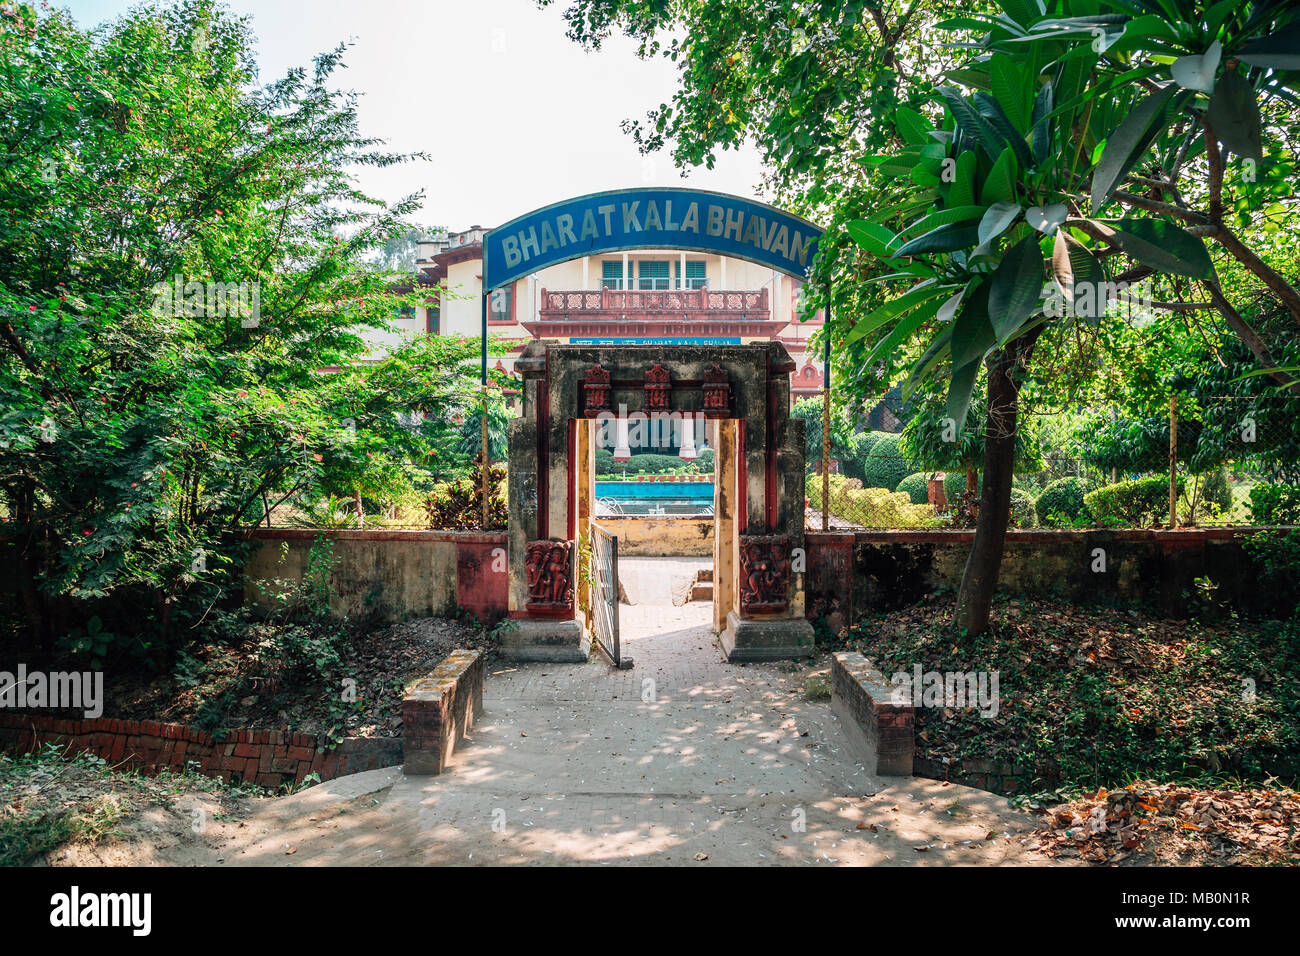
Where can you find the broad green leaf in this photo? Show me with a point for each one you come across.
(971, 122)
(1042, 123)
(963, 181)
(998, 120)
(1234, 114)
(1074, 266)
(872, 237)
(1009, 90)
(894, 308)
(904, 327)
(1279, 49)
(1196, 72)
(996, 219)
(955, 235)
(1046, 218)
(1126, 145)
(1000, 186)
(913, 127)
(960, 388)
(1165, 247)
(1016, 288)
(972, 332)
(926, 363)
(944, 216)
(1023, 12)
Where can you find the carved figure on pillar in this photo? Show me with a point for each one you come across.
(717, 392)
(764, 573)
(658, 386)
(549, 569)
(595, 391)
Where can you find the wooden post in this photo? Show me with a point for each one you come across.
(826, 415)
(1173, 461)
(725, 545)
(487, 481)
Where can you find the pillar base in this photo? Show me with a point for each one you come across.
(779, 640)
(563, 642)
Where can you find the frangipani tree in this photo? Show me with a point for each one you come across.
(1041, 163)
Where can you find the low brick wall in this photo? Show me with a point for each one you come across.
(264, 757)
(438, 710)
(654, 537)
(853, 574)
(881, 733)
(984, 774)
(396, 574)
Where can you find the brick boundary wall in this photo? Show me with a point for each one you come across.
(984, 774)
(393, 573)
(438, 710)
(853, 574)
(268, 758)
(881, 733)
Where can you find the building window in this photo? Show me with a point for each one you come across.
(652, 274)
(611, 274)
(405, 313)
(499, 305)
(432, 318)
(695, 277)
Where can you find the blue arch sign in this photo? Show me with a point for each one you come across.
(656, 218)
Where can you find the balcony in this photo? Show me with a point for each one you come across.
(653, 312)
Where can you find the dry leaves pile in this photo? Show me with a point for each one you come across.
(1147, 822)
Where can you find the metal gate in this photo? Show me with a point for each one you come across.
(604, 596)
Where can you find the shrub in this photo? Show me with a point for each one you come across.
(1139, 503)
(1275, 504)
(885, 465)
(1061, 502)
(954, 485)
(869, 507)
(916, 487)
(1023, 514)
(1216, 491)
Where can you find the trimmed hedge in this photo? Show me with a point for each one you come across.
(885, 465)
(916, 487)
(1063, 498)
(1275, 504)
(869, 507)
(954, 485)
(1141, 503)
(1023, 514)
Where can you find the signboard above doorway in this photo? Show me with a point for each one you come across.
(692, 220)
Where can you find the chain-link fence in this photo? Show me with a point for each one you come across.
(1084, 467)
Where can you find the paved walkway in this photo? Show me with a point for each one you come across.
(684, 759)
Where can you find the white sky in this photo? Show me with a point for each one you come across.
(513, 113)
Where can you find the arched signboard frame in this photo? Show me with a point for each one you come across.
(693, 220)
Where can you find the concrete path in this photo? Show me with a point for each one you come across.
(682, 760)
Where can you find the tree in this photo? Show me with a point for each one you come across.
(148, 413)
(1056, 110)
(1000, 181)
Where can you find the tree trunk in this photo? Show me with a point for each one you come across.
(980, 579)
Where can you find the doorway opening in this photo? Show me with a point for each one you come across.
(735, 400)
